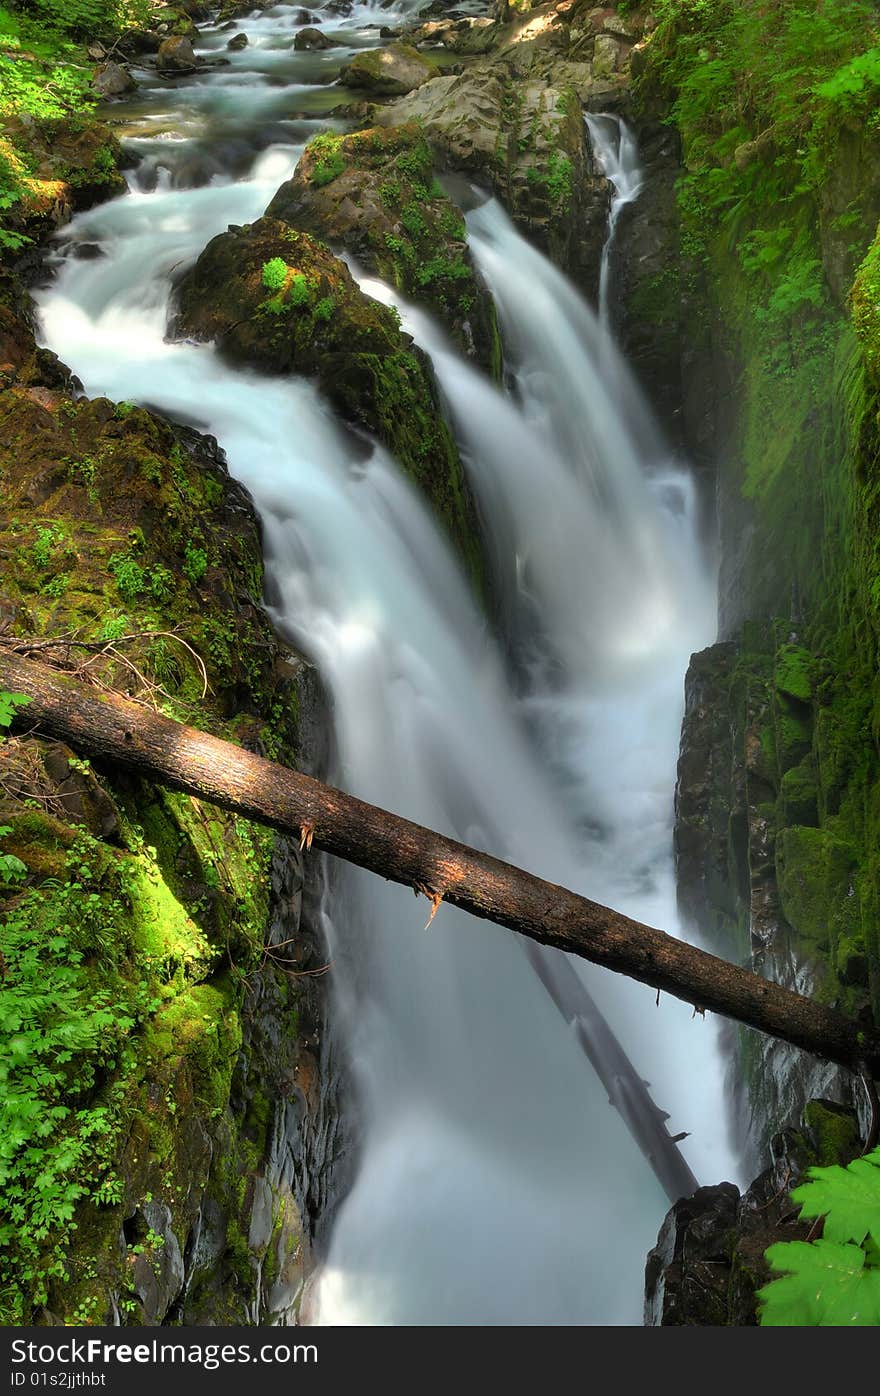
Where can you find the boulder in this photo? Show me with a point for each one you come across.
(606, 55)
(281, 301)
(176, 55)
(238, 42)
(314, 39)
(389, 72)
(373, 193)
(112, 80)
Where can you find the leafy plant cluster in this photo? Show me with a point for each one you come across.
(292, 290)
(68, 1013)
(834, 1280)
(759, 93)
(46, 75)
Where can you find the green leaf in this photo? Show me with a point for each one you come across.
(848, 1198)
(827, 1285)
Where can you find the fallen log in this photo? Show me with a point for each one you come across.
(113, 728)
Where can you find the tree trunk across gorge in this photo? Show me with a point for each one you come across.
(114, 729)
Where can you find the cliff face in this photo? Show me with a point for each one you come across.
(774, 260)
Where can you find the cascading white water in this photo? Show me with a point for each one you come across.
(616, 150)
(496, 1183)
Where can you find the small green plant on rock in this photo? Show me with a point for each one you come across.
(275, 274)
(195, 563)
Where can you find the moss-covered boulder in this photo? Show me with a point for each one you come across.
(388, 72)
(374, 193)
(280, 300)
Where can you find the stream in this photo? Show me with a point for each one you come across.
(497, 1183)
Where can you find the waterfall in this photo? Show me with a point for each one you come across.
(497, 1183)
(616, 151)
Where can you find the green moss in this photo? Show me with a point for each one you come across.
(792, 672)
(815, 870)
(832, 1132)
(799, 795)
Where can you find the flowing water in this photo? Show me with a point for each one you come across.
(496, 1182)
(616, 150)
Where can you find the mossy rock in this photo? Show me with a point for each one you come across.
(791, 673)
(375, 194)
(389, 72)
(799, 795)
(280, 300)
(815, 870)
(832, 1132)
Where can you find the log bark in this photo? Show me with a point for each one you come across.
(112, 728)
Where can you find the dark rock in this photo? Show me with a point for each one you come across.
(240, 41)
(709, 1259)
(136, 42)
(646, 276)
(313, 39)
(306, 17)
(688, 1272)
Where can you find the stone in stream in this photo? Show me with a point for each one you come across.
(389, 72)
(374, 194)
(314, 39)
(239, 42)
(176, 55)
(112, 80)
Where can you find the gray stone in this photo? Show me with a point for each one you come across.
(112, 80)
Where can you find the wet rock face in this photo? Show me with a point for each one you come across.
(756, 877)
(648, 313)
(709, 1259)
(527, 141)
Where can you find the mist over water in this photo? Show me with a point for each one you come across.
(496, 1183)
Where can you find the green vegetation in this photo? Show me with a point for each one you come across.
(45, 93)
(328, 157)
(835, 1279)
(778, 107)
(421, 247)
(275, 274)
